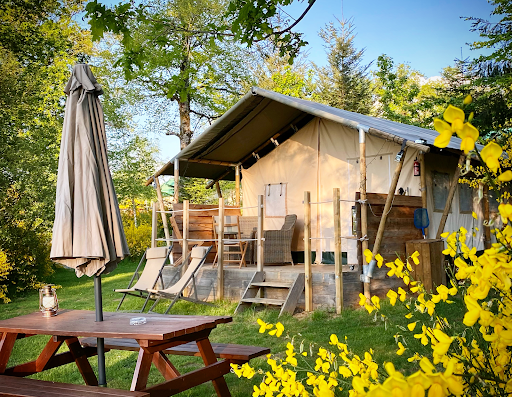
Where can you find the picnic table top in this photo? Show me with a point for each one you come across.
(114, 325)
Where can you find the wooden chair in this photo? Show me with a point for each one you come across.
(231, 231)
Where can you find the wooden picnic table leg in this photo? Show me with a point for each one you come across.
(208, 356)
(40, 364)
(141, 374)
(166, 368)
(6, 345)
(81, 361)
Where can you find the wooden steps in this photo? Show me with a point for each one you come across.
(257, 291)
(265, 301)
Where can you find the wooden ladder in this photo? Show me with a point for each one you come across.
(256, 287)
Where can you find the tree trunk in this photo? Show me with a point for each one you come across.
(185, 130)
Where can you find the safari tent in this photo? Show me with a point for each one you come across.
(286, 146)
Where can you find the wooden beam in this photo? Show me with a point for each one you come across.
(259, 236)
(394, 138)
(162, 208)
(338, 271)
(220, 253)
(154, 226)
(387, 206)
(237, 185)
(451, 193)
(186, 228)
(212, 162)
(307, 252)
(219, 192)
(423, 184)
(176, 181)
(364, 204)
(487, 217)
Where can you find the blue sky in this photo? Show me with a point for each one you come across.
(427, 34)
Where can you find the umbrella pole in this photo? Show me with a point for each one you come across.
(102, 381)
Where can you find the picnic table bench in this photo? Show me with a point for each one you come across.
(12, 386)
(236, 354)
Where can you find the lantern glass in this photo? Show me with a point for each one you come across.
(48, 302)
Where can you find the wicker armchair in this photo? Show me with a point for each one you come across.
(277, 247)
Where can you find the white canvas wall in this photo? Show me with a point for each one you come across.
(319, 157)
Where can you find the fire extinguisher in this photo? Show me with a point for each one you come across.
(416, 167)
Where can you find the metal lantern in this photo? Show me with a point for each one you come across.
(48, 302)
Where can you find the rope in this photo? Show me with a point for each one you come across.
(195, 240)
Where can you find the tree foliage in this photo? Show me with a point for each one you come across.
(344, 83)
(404, 95)
(38, 41)
(274, 72)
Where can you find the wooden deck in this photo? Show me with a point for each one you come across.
(236, 280)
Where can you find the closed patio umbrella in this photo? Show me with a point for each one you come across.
(88, 232)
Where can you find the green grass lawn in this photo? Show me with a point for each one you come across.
(363, 331)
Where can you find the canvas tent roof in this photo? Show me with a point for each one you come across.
(262, 119)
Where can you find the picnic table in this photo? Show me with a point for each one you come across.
(153, 340)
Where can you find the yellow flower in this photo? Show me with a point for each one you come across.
(415, 256)
(468, 100)
(473, 214)
(411, 326)
(392, 295)
(469, 135)
(443, 342)
(368, 255)
(379, 260)
(490, 155)
(402, 294)
(454, 116)
(263, 326)
(443, 139)
(278, 331)
(506, 176)
(362, 299)
(401, 349)
(376, 301)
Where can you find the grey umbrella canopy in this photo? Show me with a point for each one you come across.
(88, 233)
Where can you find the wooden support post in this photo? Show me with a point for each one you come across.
(154, 226)
(259, 236)
(423, 184)
(451, 193)
(237, 185)
(219, 192)
(307, 252)
(220, 253)
(387, 206)
(338, 272)
(364, 204)
(186, 228)
(176, 181)
(486, 211)
(162, 208)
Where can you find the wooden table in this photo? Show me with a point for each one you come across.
(159, 333)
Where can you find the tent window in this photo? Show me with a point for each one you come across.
(466, 194)
(440, 188)
(276, 200)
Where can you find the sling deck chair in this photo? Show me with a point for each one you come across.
(175, 291)
(155, 259)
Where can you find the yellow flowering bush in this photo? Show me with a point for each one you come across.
(471, 359)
